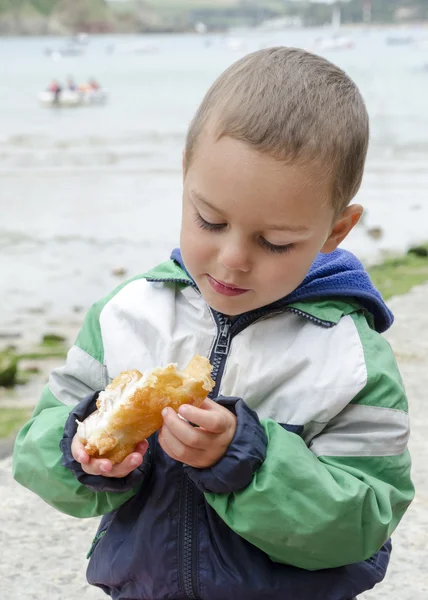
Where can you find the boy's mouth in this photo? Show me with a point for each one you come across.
(226, 289)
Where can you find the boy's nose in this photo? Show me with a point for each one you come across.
(235, 257)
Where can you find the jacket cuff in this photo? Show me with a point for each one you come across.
(245, 455)
(96, 483)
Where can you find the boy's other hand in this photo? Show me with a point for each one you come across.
(103, 466)
(201, 446)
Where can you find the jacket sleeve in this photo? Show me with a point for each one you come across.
(337, 501)
(243, 458)
(42, 460)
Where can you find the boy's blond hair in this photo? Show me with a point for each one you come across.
(294, 106)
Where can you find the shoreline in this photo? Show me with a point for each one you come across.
(37, 27)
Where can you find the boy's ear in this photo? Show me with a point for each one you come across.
(343, 225)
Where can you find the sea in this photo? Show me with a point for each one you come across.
(92, 195)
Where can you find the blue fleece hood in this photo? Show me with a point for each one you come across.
(338, 274)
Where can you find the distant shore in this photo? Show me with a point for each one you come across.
(36, 27)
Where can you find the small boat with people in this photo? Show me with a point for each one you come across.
(73, 95)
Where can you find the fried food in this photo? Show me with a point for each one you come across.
(129, 410)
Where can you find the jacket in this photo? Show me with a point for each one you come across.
(316, 479)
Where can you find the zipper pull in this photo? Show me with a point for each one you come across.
(223, 340)
(225, 330)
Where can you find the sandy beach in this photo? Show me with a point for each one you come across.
(43, 552)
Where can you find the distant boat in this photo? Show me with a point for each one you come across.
(80, 38)
(399, 39)
(236, 45)
(70, 49)
(335, 42)
(71, 99)
(281, 23)
(132, 48)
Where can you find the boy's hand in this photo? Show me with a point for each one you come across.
(103, 466)
(202, 446)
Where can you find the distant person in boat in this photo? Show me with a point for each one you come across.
(56, 89)
(94, 85)
(71, 84)
(84, 88)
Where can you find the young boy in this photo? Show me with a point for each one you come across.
(298, 472)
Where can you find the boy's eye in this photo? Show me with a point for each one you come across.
(276, 249)
(207, 225)
(203, 224)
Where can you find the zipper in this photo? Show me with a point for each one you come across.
(311, 318)
(171, 280)
(189, 497)
(188, 528)
(228, 330)
(220, 350)
(258, 315)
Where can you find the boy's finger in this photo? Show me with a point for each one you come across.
(78, 451)
(192, 437)
(129, 464)
(104, 467)
(209, 404)
(84, 457)
(211, 419)
(97, 466)
(173, 446)
(142, 447)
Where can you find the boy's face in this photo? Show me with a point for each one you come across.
(252, 226)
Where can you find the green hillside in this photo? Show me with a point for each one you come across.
(98, 16)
